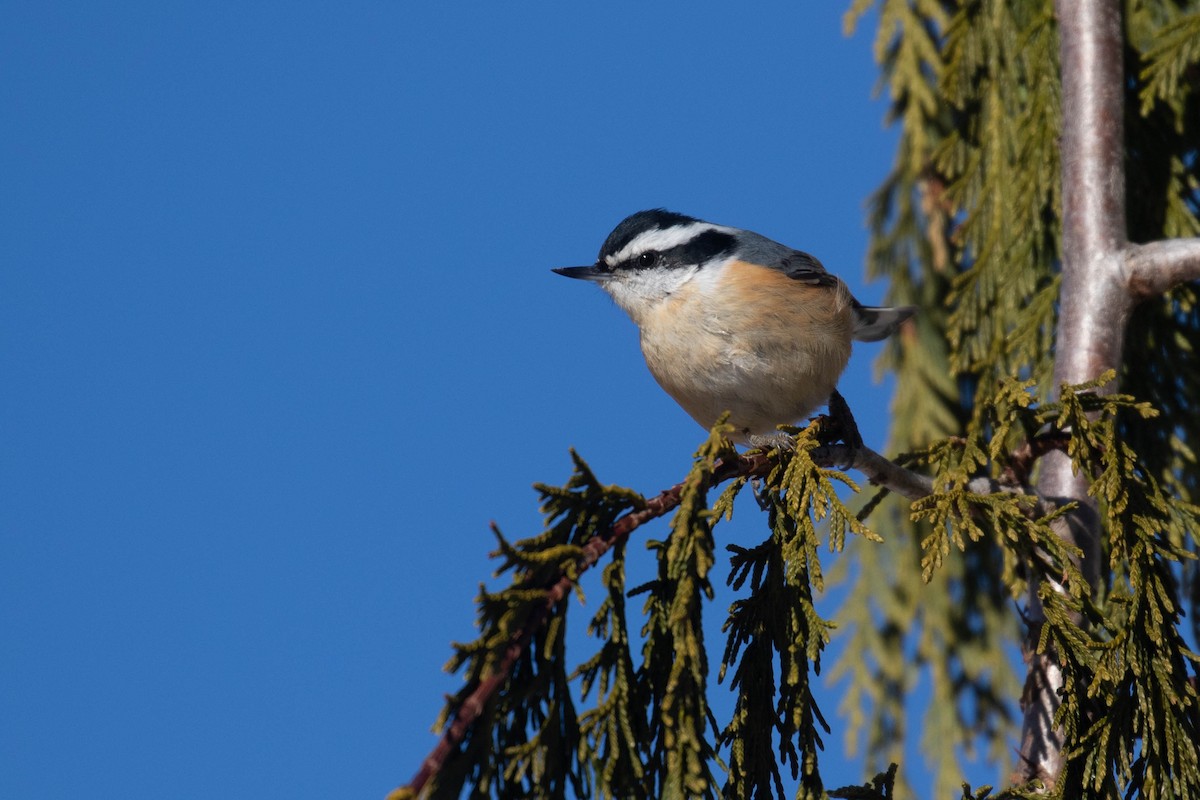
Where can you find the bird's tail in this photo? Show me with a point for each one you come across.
(873, 324)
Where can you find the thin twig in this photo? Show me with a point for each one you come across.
(1020, 463)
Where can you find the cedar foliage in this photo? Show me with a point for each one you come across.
(967, 226)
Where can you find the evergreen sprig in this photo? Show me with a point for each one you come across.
(674, 672)
(1136, 713)
(777, 622)
(525, 742)
(650, 732)
(615, 732)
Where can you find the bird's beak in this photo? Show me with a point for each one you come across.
(592, 273)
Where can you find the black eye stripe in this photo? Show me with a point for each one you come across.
(707, 245)
(701, 248)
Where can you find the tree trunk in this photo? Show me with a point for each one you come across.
(1103, 277)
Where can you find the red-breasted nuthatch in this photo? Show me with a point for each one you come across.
(733, 321)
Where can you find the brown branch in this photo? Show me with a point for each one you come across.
(879, 470)
(1021, 462)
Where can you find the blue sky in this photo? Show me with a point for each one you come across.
(276, 282)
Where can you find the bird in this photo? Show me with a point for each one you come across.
(731, 321)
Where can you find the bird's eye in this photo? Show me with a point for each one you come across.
(647, 259)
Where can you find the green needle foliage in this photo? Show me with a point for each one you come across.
(526, 740)
(776, 624)
(674, 671)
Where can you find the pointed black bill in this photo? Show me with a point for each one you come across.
(592, 273)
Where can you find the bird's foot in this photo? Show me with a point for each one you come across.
(839, 424)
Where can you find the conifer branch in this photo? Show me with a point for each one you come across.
(473, 705)
(878, 469)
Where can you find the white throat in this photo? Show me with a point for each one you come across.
(639, 292)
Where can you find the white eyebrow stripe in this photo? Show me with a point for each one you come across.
(664, 239)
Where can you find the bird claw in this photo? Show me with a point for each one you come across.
(839, 424)
(759, 489)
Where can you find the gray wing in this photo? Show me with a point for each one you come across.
(870, 323)
(800, 266)
(796, 264)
